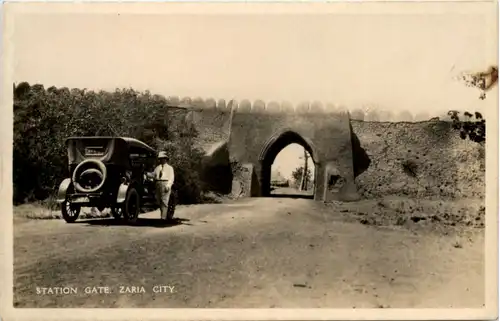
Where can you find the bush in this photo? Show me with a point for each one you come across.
(474, 129)
(43, 119)
(468, 127)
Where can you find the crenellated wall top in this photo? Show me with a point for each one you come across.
(313, 107)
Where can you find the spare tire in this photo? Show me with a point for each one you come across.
(87, 168)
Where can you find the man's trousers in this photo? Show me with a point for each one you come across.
(163, 197)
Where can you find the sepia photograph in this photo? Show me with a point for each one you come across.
(251, 156)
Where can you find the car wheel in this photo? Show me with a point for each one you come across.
(95, 168)
(131, 207)
(117, 212)
(70, 212)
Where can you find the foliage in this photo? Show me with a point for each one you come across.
(44, 118)
(474, 126)
(297, 175)
(474, 129)
(484, 80)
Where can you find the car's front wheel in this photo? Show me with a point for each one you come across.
(131, 206)
(70, 212)
(117, 212)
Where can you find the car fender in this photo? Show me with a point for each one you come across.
(63, 189)
(122, 193)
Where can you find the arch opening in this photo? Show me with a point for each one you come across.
(284, 161)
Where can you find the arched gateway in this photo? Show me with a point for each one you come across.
(274, 146)
(256, 137)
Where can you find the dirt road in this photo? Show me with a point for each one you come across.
(261, 252)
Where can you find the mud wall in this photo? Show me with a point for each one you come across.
(423, 159)
(213, 126)
(251, 132)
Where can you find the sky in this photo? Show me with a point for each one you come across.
(289, 159)
(394, 62)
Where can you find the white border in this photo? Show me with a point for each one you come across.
(367, 7)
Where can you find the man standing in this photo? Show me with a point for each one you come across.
(164, 177)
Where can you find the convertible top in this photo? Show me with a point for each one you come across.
(130, 141)
(108, 149)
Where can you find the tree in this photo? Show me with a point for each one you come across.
(297, 175)
(469, 127)
(473, 126)
(482, 80)
(305, 178)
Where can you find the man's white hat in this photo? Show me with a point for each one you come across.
(162, 155)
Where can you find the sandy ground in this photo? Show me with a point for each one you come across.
(251, 253)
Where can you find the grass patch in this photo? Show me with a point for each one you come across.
(36, 211)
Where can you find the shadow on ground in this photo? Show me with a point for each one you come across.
(290, 192)
(141, 222)
(291, 196)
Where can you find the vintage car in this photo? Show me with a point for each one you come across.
(110, 172)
